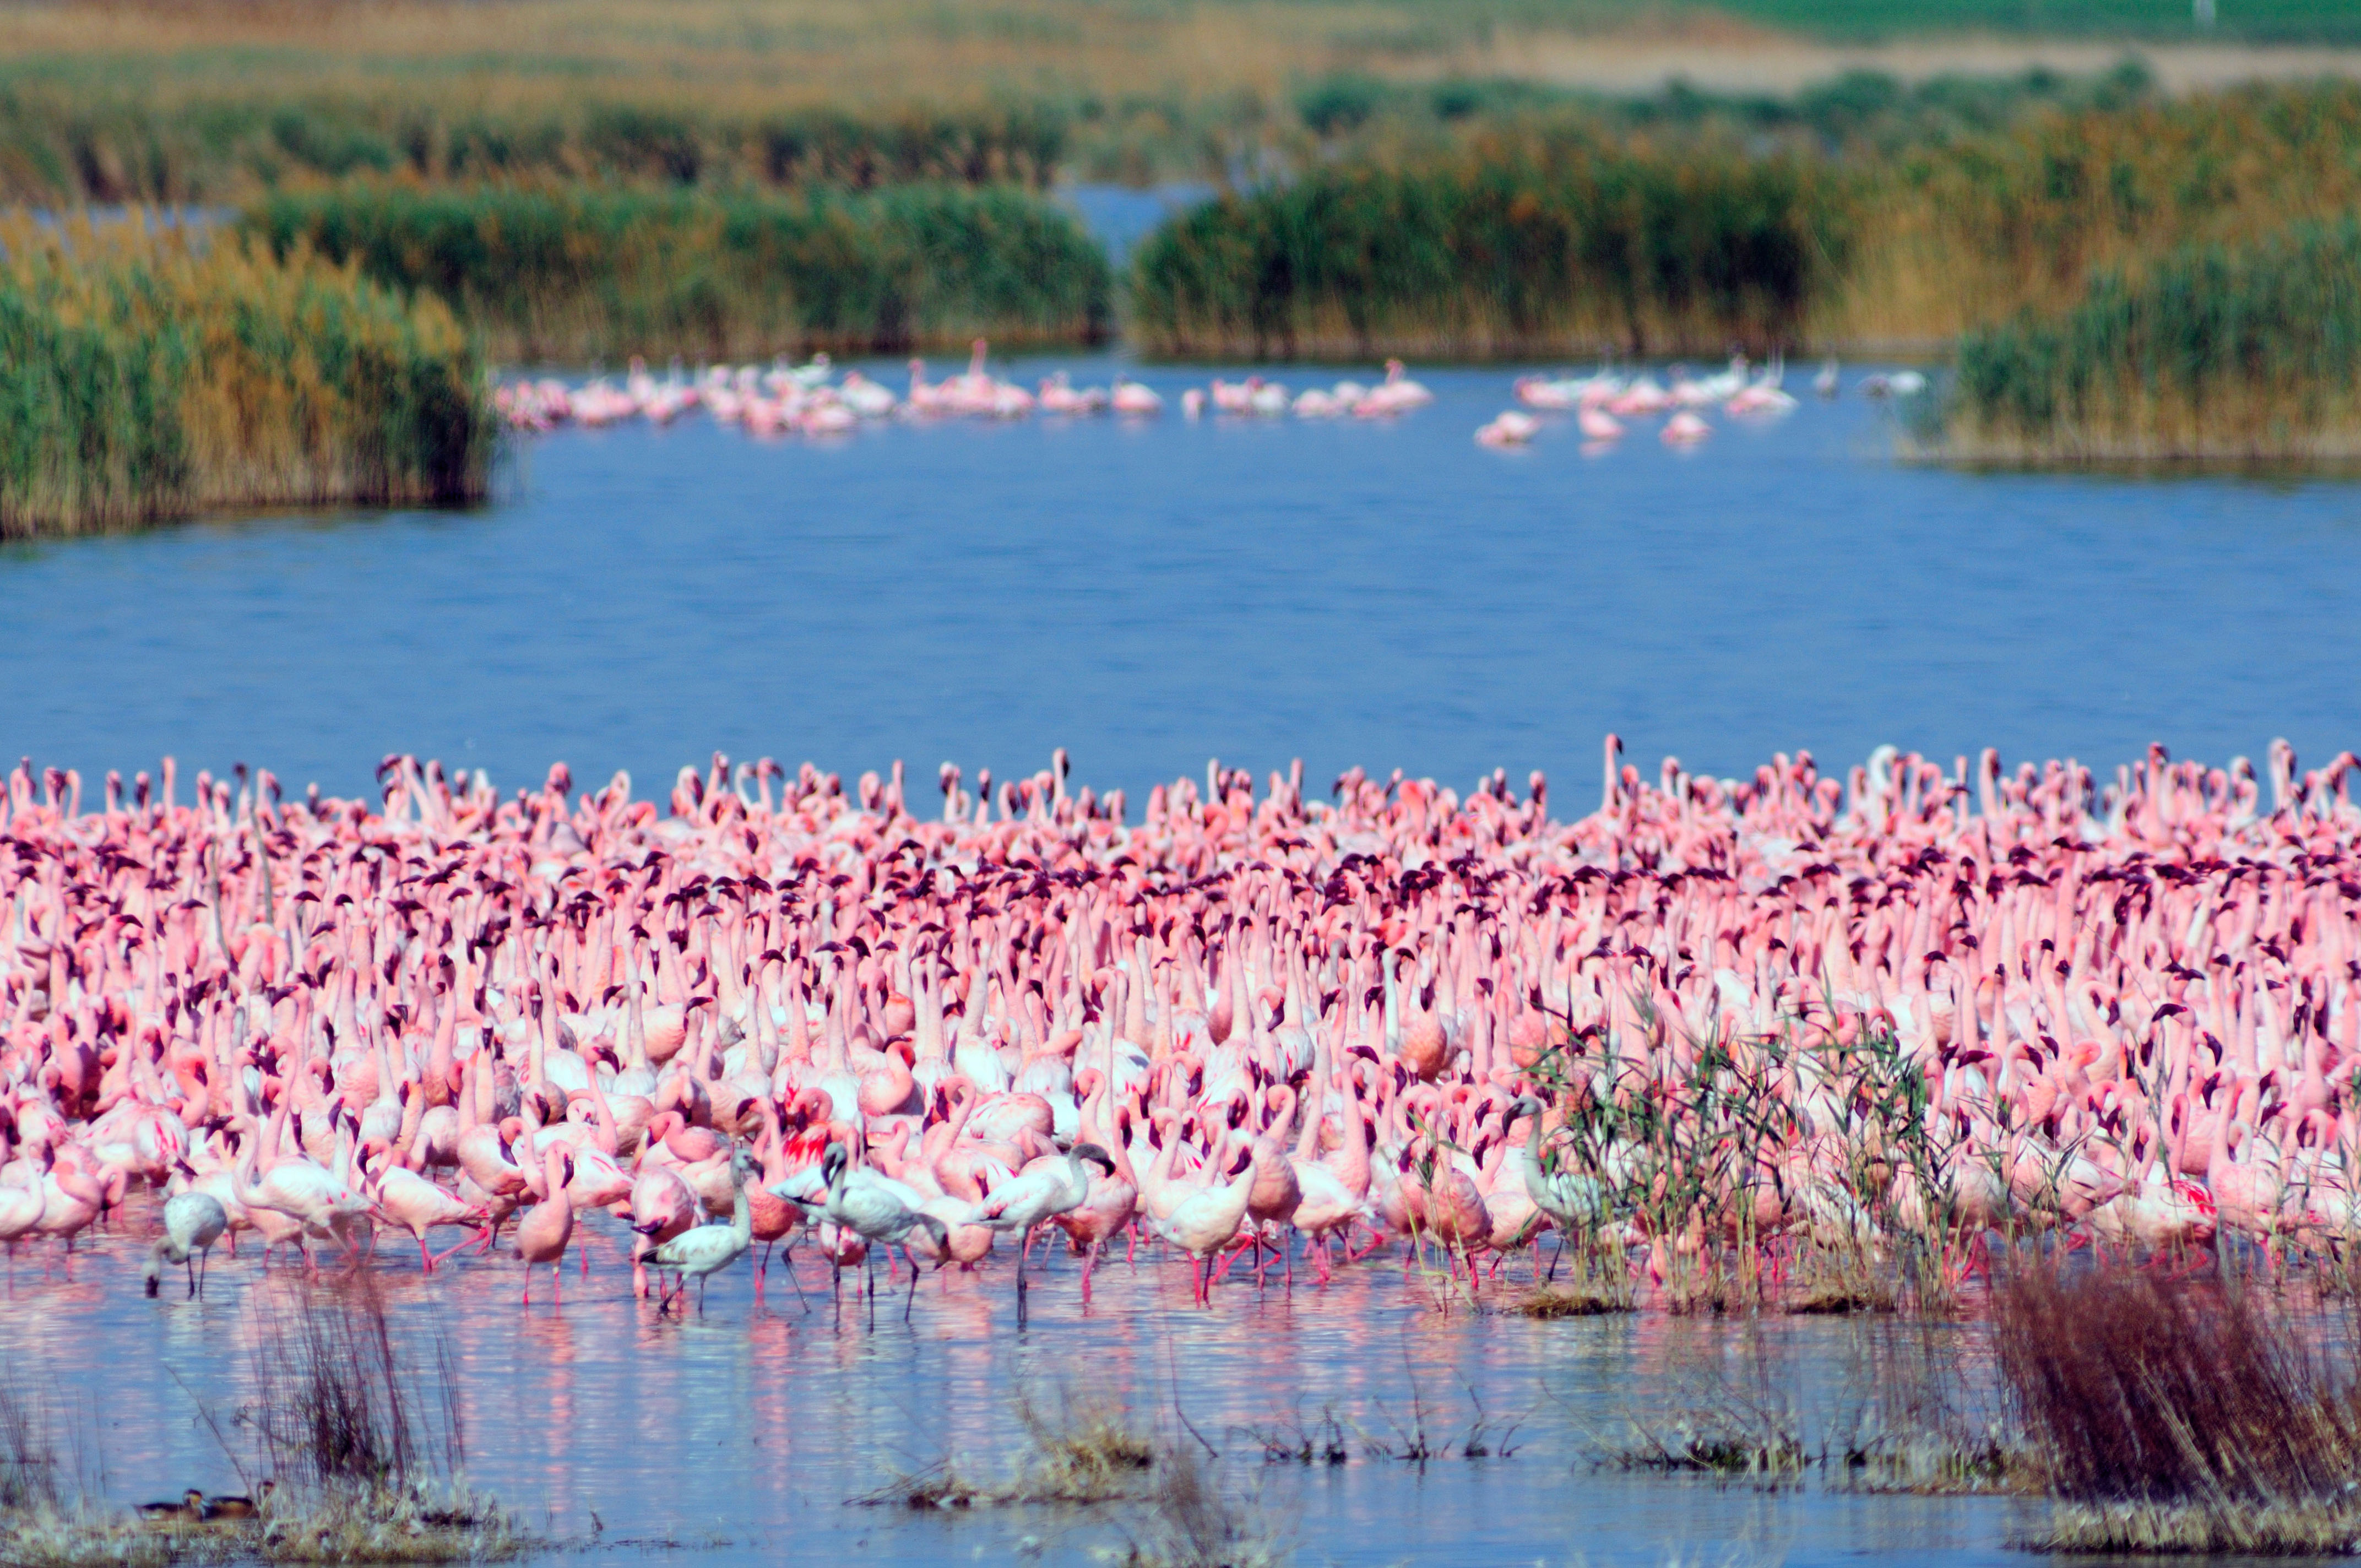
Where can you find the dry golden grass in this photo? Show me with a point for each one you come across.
(2328, 1527)
(729, 53)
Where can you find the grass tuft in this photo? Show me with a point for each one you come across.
(1580, 1299)
(1081, 1454)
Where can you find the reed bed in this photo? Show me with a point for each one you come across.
(2179, 1417)
(1540, 240)
(59, 146)
(1577, 251)
(68, 137)
(143, 378)
(577, 272)
(1854, 112)
(2215, 351)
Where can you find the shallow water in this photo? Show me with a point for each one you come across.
(1150, 595)
(743, 1435)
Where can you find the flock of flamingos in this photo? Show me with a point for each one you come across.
(810, 399)
(1912, 1005)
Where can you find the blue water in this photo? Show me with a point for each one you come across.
(1152, 595)
(1119, 217)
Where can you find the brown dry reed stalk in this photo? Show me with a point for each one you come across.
(1188, 1521)
(144, 374)
(29, 1466)
(2135, 1390)
(336, 1407)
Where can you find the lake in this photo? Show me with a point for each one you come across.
(1150, 595)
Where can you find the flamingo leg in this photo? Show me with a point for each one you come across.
(787, 1262)
(1024, 1244)
(463, 1243)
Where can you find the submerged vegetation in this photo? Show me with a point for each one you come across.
(1167, 1499)
(147, 378)
(580, 271)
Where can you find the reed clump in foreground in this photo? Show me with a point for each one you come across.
(578, 272)
(2178, 1417)
(1083, 1451)
(357, 1456)
(2215, 351)
(147, 379)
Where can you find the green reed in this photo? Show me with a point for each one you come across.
(61, 146)
(576, 272)
(2215, 351)
(1867, 112)
(1803, 1168)
(1576, 249)
(1556, 237)
(143, 378)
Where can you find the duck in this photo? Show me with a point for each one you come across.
(189, 1509)
(241, 1507)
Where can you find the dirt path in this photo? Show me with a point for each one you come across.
(1743, 60)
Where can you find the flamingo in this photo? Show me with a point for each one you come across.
(192, 1223)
